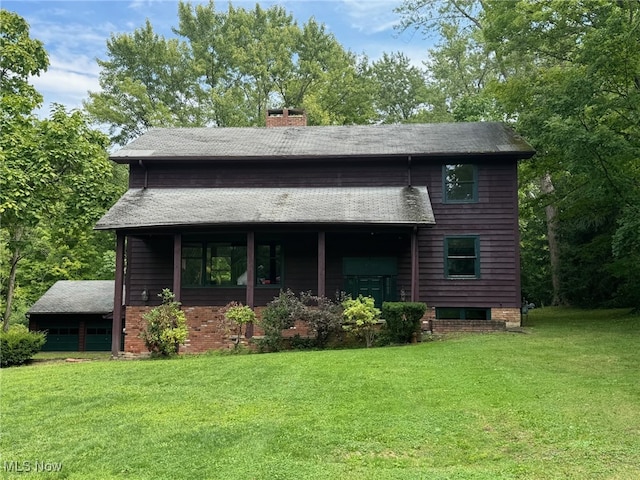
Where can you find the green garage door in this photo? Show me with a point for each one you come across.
(62, 338)
(98, 337)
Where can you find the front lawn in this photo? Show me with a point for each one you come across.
(559, 401)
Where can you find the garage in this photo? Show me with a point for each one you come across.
(76, 314)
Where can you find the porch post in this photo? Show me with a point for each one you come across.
(251, 276)
(116, 330)
(177, 266)
(322, 265)
(415, 266)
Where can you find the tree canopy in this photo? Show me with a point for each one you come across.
(55, 179)
(566, 74)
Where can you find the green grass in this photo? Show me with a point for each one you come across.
(560, 401)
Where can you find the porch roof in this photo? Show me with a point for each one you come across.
(177, 207)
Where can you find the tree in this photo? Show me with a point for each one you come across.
(55, 178)
(148, 81)
(566, 74)
(400, 89)
(226, 69)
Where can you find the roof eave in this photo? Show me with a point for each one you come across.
(130, 159)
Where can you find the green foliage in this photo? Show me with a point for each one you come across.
(565, 74)
(280, 314)
(225, 69)
(240, 315)
(55, 181)
(21, 58)
(403, 319)
(400, 90)
(18, 345)
(166, 326)
(361, 318)
(323, 315)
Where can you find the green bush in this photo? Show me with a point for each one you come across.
(166, 326)
(361, 317)
(240, 315)
(18, 345)
(402, 319)
(280, 314)
(323, 316)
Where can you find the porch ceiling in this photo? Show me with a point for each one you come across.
(171, 207)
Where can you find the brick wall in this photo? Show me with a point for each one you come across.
(511, 316)
(501, 318)
(208, 329)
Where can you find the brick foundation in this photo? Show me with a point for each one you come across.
(501, 319)
(208, 329)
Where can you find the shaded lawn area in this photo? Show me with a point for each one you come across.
(560, 401)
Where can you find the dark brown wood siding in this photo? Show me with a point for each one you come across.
(494, 219)
(254, 174)
(149, 267)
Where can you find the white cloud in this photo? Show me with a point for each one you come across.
(371, 16)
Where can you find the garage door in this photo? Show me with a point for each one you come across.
(62, 339)
(98, 337)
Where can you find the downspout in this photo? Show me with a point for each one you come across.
(409, 170)
(146, 175)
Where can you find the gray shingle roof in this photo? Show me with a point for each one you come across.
(328, 141)
(77, 296)
(145, 208)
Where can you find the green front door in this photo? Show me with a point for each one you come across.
(371, 277)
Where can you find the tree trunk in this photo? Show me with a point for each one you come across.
(551, 212)
(15, 258)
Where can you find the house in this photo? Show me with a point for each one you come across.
(416, 212)
(76, 314)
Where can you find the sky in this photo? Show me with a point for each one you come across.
(74, 33)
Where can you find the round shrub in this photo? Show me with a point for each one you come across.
(402, 319)
(18, 345)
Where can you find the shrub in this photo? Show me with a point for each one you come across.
(18, 345)
(279, 315)
(402, 319)
(166, 326)
(323, 316)
(361, 317)
(240, 315)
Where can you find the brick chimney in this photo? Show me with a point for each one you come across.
(286, 117)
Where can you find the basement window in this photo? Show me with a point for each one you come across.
(467, 313)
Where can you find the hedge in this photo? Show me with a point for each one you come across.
(402, 319)
(18, 345)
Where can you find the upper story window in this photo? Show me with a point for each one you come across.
(462, 257)
(460, 183)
